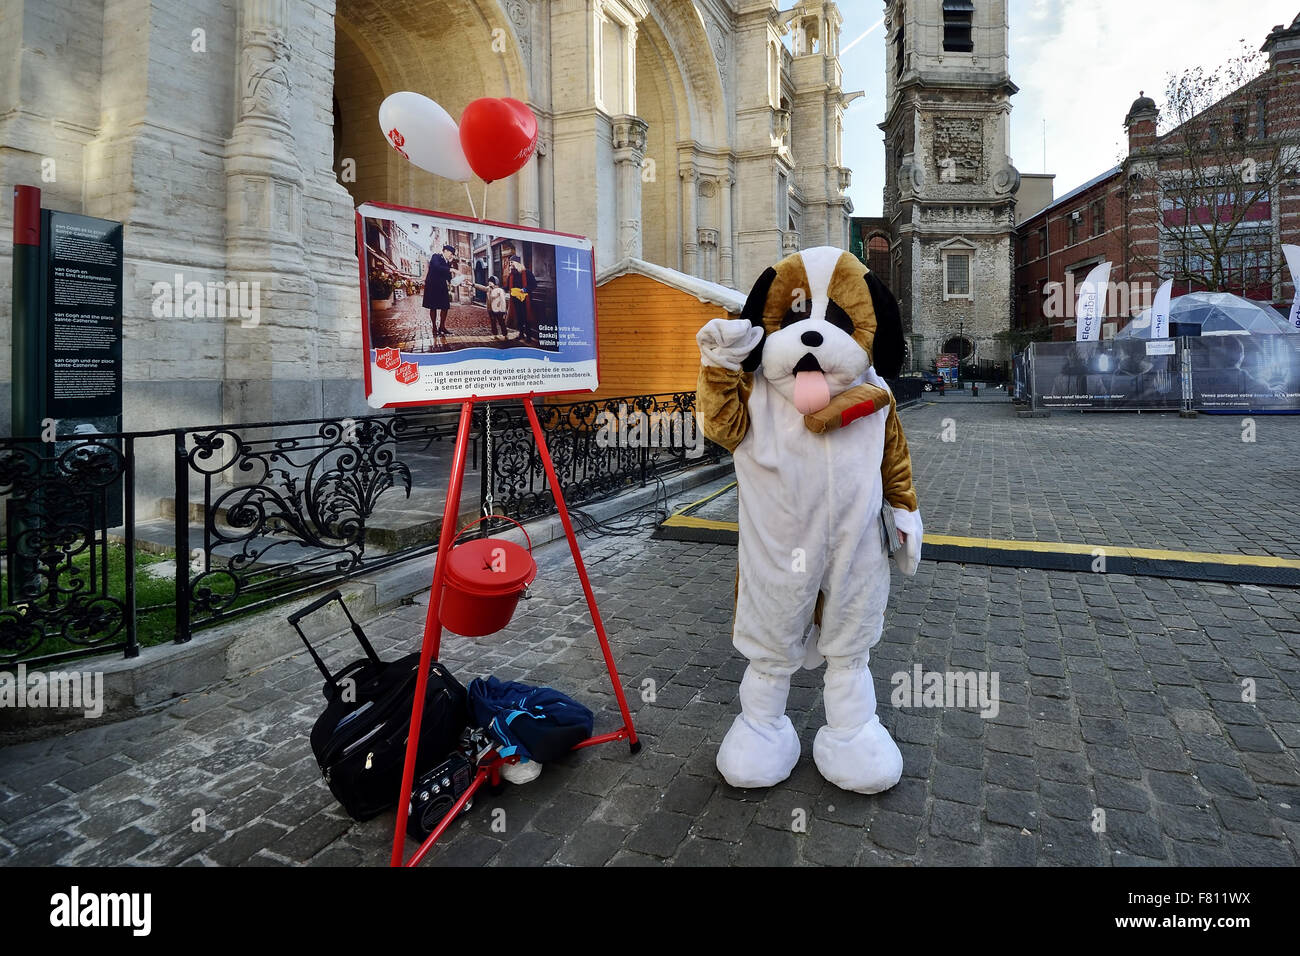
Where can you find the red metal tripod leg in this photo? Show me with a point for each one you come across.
(558, 495)
(432, 627)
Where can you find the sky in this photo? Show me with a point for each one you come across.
(1079, 65)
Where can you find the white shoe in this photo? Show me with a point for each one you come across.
(521, 772)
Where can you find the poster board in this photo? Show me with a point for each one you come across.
(1112, 375)
(543, 343)
(1245, 372)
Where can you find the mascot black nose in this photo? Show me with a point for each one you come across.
(811, 339)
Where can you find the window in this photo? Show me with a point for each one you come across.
(899, 41)
(612, 72)
(1099, 217)
(878, 256)
(956, 275)
(1239, 125)
(1261, 116)
(1042, 242)
(957, 17)
(1073, 228)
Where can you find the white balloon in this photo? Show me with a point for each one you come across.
(424, 133)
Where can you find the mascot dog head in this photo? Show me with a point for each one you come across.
(826, 319)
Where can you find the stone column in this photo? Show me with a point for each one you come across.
(690, 241)
(270, 364)
(546, 181)
(530, 192)
(708, 254)
(725, 250)
(629, 136)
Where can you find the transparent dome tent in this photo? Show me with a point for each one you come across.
(1217, 313)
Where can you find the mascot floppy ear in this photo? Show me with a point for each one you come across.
(755, 306)
(887, 349)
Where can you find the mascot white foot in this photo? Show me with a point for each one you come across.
(854, 750)
(795, 389)
(761, 748)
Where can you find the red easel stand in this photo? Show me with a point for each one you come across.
(490, 772)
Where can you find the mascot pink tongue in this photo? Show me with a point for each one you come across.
(811, 393)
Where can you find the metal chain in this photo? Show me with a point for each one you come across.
(489, 503)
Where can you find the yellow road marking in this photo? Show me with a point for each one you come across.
(704, 501)
(1157, 554)
(682, 520)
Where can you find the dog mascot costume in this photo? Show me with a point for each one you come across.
(794, 389)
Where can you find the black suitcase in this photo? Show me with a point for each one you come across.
(360, 739)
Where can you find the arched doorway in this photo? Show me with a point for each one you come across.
(453, 57)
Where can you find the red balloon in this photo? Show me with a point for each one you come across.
(498, 136)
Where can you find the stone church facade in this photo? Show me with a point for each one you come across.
(950, 189)
(234, 139)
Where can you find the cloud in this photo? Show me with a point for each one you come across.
(1079, 65)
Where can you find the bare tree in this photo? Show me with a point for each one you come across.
(1230, 140)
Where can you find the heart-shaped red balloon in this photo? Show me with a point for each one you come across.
(498, 136)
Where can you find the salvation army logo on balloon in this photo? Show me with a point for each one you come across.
(424, 133)
(498, 136)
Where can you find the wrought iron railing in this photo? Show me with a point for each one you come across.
(57, 601)
(598, 447)
(265, 512)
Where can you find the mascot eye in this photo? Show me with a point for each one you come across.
(839, 318)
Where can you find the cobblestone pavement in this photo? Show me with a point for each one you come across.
(1155, 481)
(408, 326)
(1141, 721)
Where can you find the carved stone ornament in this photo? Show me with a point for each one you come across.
(518, 12)
(629, 132)
(909, 178)
(265, 76)
(708, 187)
(708, 237)
(1007, 181)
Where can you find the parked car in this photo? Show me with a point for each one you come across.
(929, 380)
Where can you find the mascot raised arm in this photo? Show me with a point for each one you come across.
(795, 389)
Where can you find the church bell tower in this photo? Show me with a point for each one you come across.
(949, 183)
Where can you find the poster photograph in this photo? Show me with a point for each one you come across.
(454, 308)
(1246, 372)
(1111, 374)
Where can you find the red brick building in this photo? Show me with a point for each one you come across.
(1143, 214)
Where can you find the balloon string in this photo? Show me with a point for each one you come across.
(470, 197)
(485, 186)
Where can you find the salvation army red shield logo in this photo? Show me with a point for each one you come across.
(388, 359)
(407, 373)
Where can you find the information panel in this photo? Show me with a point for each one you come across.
(83, 309)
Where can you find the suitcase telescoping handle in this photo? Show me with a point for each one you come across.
(296, 617)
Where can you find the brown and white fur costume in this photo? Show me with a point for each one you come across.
(795, 389)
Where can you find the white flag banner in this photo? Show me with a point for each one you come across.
(1092, 300)
(1292, 254)
(1160, 310)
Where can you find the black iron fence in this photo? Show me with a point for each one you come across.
(265, 512)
